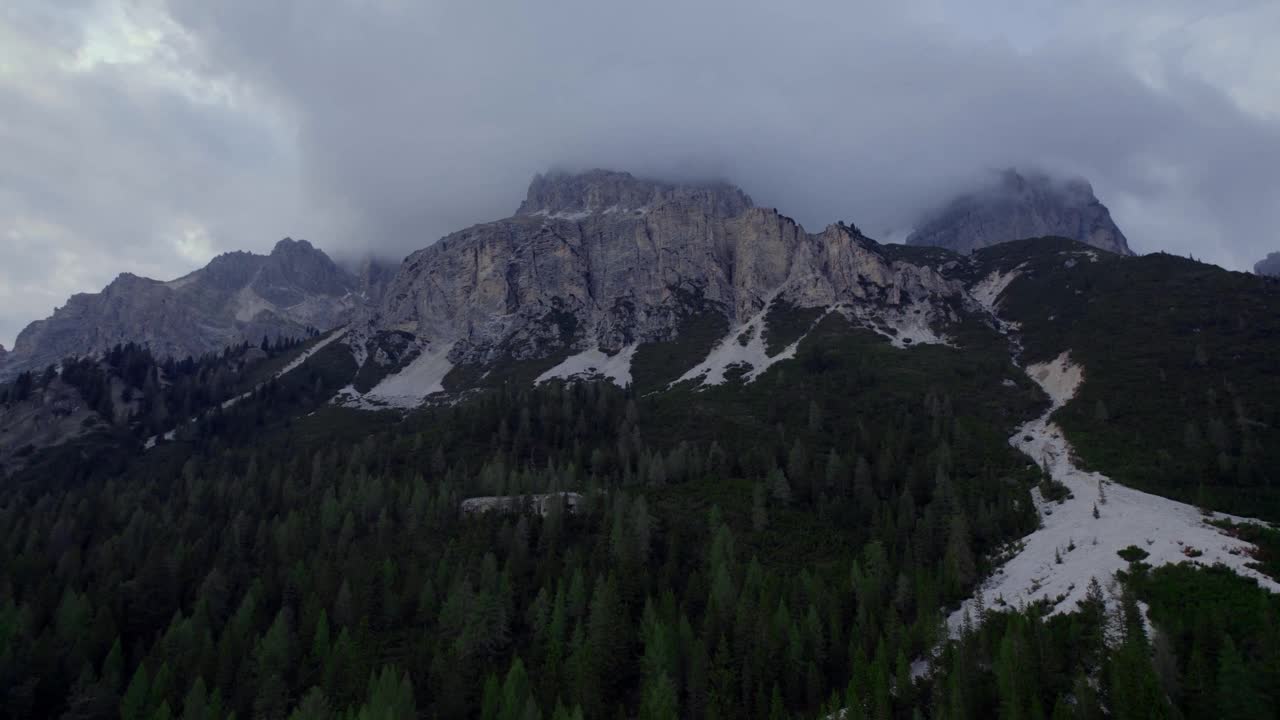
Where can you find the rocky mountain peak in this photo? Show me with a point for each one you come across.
(296, 268)
(1016, 205)
(1269, 265)
(226, 271)
(127, 281)
(575, 195)
(290, 247)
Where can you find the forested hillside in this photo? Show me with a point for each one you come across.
(750, 567)
(787, 548)
(1181, 396)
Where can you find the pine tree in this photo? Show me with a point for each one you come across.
(135, 705)
(1238, 698)
(658, 700)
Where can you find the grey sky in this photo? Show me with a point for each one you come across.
(149, 135)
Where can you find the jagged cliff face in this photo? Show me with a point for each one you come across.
(606, 260)
(237, 297)
(1022, 206)
(1269, 266)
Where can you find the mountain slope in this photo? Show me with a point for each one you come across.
(1021, 206)
(237, 297)
(1181, 395)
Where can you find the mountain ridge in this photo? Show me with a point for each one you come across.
(592, 261)
(238, 296)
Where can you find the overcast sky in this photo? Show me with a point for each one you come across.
(149, 135)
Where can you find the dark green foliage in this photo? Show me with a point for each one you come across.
(1182, 391)
(1132, 554)
(282, 553)
(1267, 540)
(785, 323)
(780, 549)
(656, 364)
(1224, 634)
(507, 371)
(1215, 652)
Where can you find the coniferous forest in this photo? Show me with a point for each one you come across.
(789, 549)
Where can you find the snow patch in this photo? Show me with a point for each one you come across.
(592, 364)
(988, 290)
(582, 214)
(1072, 547)
(1059, 378)
(903, 326)
(731, 353)
(418, 380)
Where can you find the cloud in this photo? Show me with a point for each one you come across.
(420, 118)
(381, 125)
(121, 154)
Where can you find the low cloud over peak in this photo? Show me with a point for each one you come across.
(380, 126)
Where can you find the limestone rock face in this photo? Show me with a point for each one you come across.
(1270, 265)
(237, 297)
(1022, 206)
(604, 260)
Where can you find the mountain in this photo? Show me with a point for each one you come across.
(237, 297)
(1018, 206)
(687, 460)
(605, 263)
(1269, 265)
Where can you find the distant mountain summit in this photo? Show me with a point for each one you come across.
(1019, 206)
(562, 194)
(238, 296)
(1269, 265)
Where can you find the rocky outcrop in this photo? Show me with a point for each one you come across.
(1019, 206)
(51, 415)
(606, 260)
(237, 297)
(1269, 266)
